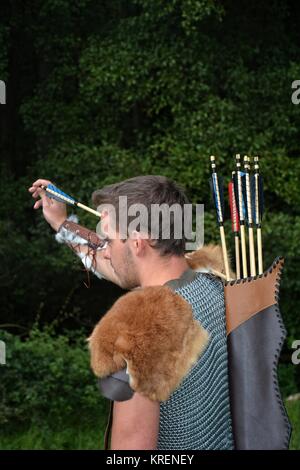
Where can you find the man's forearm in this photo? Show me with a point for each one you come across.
(135, 424)
(134, 442)
(137, 439)
(92, 258)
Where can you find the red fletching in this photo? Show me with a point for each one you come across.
(233, 209)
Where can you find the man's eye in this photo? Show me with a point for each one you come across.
(104, 245)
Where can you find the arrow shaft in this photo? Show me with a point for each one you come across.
(224, 249)
(250, 228)
(259, 251)
(237, 256)
(88, 209)
(243, 247)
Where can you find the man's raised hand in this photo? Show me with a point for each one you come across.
(55, 212)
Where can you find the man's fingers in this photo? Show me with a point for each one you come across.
(47, 202)
(44, 200)
(36, 192)
(41, 182)
(38, 204)
(36, 189)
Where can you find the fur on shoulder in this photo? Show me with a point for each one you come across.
(151, 331)
(209, 258)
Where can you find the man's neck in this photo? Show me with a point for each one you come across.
(162, 270)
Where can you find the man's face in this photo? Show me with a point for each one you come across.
(119, 254)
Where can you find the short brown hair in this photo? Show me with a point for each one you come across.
(148, 190)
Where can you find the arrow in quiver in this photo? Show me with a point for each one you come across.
(258, 209)
(255, 335)
(238, 181)
(235, 226)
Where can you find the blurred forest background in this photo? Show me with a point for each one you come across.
(99, 91)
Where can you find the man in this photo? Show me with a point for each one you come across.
(197, 414)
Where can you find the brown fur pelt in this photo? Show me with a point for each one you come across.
(153, 332)
(209, 258)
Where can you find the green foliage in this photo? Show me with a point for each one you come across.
(293, 409)
(70, 436)
(287, 379)
(48, 378)
(3, 52)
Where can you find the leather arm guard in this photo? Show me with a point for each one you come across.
(71, 233)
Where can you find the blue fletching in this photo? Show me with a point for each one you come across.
(64, 197)
(257, 196)
(242, 211)
(218, 204)
(254, 196)
(244, 198)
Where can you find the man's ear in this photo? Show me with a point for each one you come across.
(138, 242)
